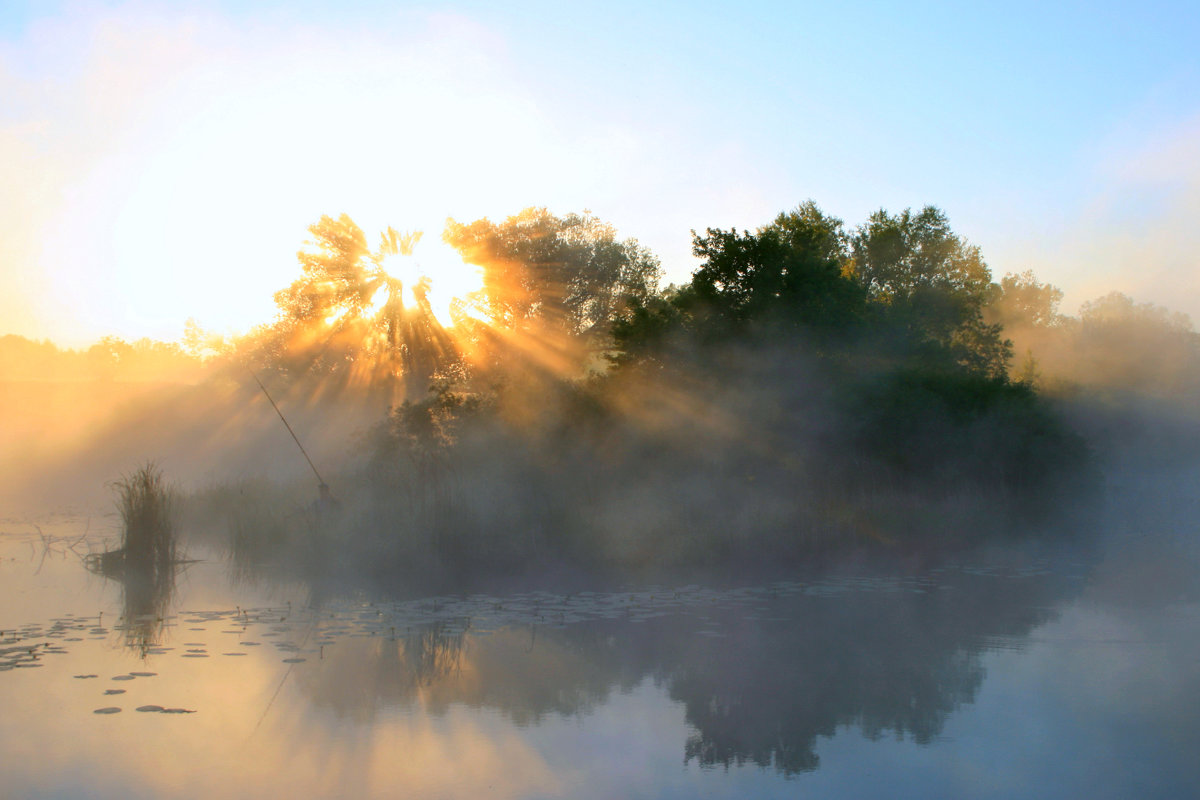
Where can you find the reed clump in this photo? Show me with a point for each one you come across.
(145, 502)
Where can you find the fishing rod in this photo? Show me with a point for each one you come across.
(321, 485)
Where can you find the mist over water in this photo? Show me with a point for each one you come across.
(812, 533)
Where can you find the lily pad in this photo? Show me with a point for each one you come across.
(114, 691)
(148, 709)
(107, 710)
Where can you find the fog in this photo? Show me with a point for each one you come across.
(531, 442)
(842, 511)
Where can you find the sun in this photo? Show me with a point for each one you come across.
(435, 268)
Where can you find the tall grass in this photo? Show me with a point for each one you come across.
(147, 510)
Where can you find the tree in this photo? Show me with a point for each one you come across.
(568, 273)
(789, 272)
(109, 355)
(1024, 301)
(347, 316)
(931, 286)
(1123, 344)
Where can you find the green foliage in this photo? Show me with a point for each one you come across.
(931, 286)
(788, 273)
(893, 315)
(804, 385)
(954, 429)
(904, 284)
(898, 256)
(641, 333)
(569, 272)
(1024, 301)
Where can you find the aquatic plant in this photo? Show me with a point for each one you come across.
(145, 502)
(145, 563)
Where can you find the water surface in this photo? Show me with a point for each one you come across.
(1022, 670)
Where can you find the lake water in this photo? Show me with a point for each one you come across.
(1017, 671)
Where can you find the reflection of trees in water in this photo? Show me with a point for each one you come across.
(388, 670)
(759, 685)
(882, 662)
(765, 696)
(519, 671)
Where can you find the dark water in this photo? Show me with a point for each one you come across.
(1015, 671)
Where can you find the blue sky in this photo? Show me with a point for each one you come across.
(162, 160)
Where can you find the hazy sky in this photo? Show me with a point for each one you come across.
(162, 160)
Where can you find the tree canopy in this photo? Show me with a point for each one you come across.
(932, 286)
(789, 272)
(567, 273)
(1024, 301)
(905, 281)
(347, 316)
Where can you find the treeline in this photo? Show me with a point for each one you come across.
(812, 385)
(109, 359)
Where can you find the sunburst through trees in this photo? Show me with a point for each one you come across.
(355, 316)
(541, 295)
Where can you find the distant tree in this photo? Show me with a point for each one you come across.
(203, 344)
(1116, 308)
(1134, 346)
(106, 356)
(566, 273)
(25, 359)
(1024, 301)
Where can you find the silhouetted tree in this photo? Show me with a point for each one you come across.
(789, 271)
(347, 316)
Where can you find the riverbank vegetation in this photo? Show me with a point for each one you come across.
(813, 386)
